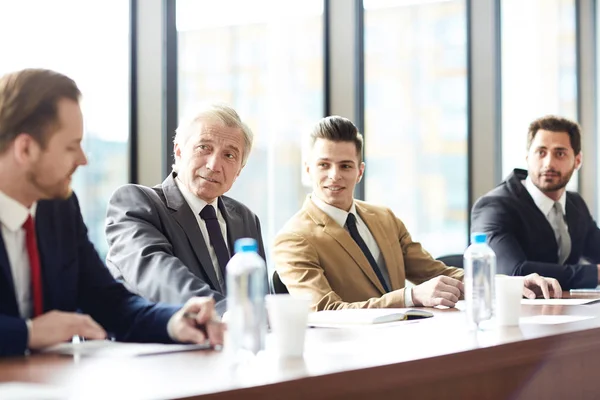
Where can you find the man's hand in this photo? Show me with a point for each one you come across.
(57, 326)
(441, 290)
(196, 322)
(535, 284)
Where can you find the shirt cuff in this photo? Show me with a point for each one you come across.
(408, 302)
(29, 327)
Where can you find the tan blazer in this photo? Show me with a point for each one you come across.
(315, 256)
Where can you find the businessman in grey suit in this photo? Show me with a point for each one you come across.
(172, 242)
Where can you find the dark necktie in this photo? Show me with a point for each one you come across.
(215, 235)
(34, 265)
(564, 239)
(351, 224)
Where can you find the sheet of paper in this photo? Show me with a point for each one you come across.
(27, 391)
(552, 319)
(558, 302)
(107, 348)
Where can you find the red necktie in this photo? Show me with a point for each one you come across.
(34, 264)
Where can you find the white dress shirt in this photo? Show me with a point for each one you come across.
(197, 204)
(340, 217)
(12, 216)
(545, 204)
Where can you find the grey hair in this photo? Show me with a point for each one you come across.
(215, 112)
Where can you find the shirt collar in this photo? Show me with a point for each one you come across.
(336, 214)
(195, 203)
(13, 214)
(544, 202)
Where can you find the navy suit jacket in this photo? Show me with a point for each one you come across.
(523, 238)
(74, 278)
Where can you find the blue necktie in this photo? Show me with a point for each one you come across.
(351, 224)
(215, 235)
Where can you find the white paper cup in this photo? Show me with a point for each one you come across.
(288, 317)
(509, 292)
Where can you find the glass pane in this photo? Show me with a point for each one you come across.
(416, 117)
(93, 49)
(539, 75)
(264, 58)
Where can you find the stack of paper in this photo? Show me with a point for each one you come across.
(104, 348)
(363, 316)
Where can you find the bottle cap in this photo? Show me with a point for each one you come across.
(478, 237)
(245, 245)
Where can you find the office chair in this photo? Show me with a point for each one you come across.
(278, 286)
(452, 260)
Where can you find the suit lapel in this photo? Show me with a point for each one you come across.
(520, 191)
(234, 223)
(384, 244)
(47, 248)
(344, 239)
(6, 281)
(573, 221)
(187, 220)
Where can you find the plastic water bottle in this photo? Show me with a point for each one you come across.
(480, 270)
(246, 290)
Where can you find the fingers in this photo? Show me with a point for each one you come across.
(441, 290)
(203, 307)
(215, 329)
(190, 334)
(451, 290)
(541, 282)
(556, 288)
(89, 328)
(450, 281)
(443, 301)
(528, 293)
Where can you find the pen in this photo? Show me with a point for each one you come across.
(193, 315)
(202, 327)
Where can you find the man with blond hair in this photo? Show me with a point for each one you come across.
(171, 242)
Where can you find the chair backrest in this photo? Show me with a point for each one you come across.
(452, 260)
(278, 286)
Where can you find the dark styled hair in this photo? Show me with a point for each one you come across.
(337, 129)
(556, 124)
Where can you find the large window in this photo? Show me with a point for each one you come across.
(89, 42)
(416, 117)
(264, 58)
(539, 71)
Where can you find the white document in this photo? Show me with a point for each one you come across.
(552, 319)
(363, 316)
(28, 390)
(558, 302)
(107, 348)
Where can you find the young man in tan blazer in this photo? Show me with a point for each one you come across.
(346, 253)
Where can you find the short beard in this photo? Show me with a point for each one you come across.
(561, 184)
(49, 191)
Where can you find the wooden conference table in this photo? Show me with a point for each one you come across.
(433, 358)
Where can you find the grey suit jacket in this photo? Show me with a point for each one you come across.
(157, 249)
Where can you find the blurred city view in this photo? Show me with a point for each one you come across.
(265, 58)
(93, 49)
(416, 121)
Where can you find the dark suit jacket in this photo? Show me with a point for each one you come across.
(74, 278)
(523, 238)
(157, 248)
